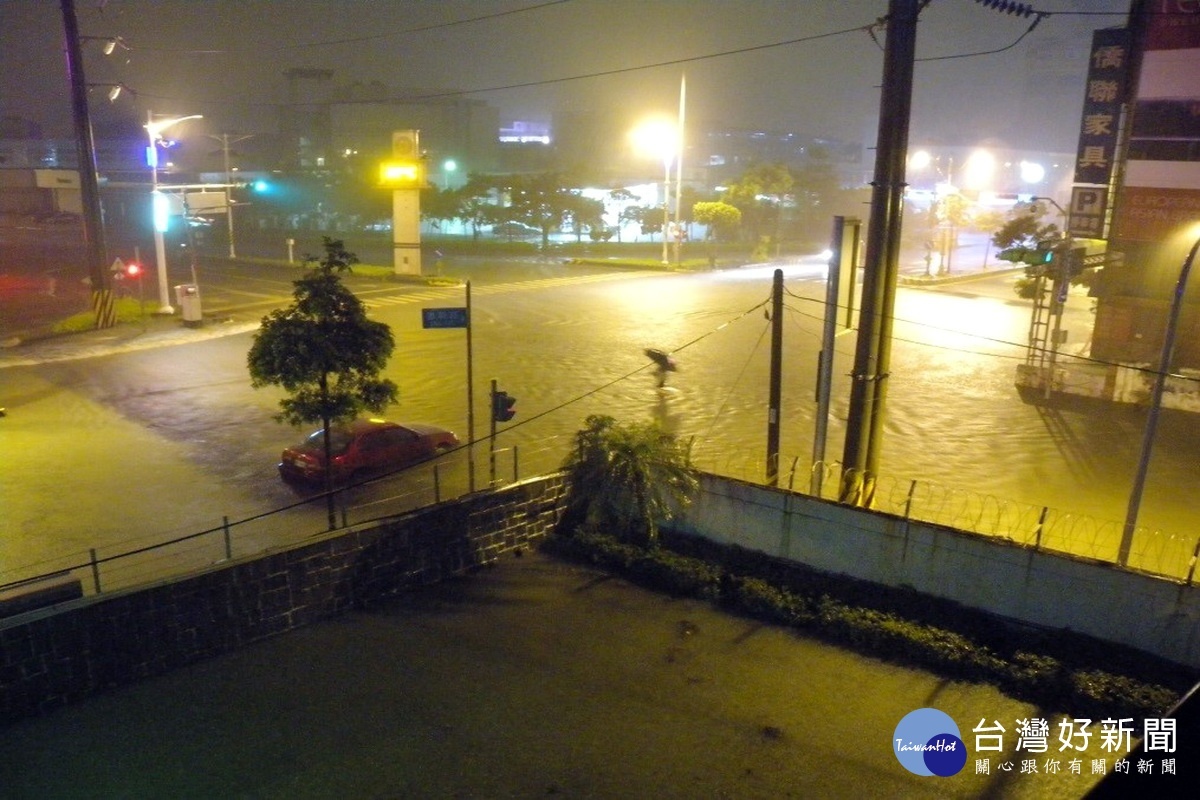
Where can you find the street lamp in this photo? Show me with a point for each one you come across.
(660, 139)
(448, 166)
(1062, 211)
(679, 167)
(1160, 380)
(154, 129)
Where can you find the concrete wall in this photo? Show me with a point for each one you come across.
(1014, 581)
(71, 651)
(66, 653)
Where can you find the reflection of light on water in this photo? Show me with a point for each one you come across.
(807, 266)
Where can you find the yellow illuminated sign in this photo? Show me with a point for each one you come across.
(400, 173)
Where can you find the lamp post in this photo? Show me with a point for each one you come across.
(679, 167)
(659, 138)
(666, 207)
(448, 166)
(1160, 380)
(225, 142)
(154, 130)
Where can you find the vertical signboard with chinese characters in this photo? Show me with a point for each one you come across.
(1103, 98)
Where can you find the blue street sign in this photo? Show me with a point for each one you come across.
(443, 318)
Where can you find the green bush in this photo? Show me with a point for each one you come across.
(676, 574)
(1098, 693)
(757, 598)
(1031, 676)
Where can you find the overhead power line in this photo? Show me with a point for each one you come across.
(351, 39)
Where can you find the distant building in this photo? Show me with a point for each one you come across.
(726, 153)
(330, 126)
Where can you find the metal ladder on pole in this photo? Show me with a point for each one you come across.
(1040, 321)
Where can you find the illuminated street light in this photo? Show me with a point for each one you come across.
(111, 43)
(1032, 172)
(659, 138)
(979, 171)
(114, 89)
(154, 129)
(448, 166)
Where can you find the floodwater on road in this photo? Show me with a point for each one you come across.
(169, 441)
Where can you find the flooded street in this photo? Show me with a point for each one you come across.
(171, 440)
(955, 422)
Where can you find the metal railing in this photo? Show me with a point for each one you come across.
(1162, 553)
(456, 474)
(160, 556)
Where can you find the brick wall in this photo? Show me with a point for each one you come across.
(61, 655)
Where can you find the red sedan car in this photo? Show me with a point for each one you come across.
(363, 447)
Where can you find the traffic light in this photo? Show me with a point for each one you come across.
(1058, 254)
(1074, 261)
(1047, 251)
(502, 407)
(133, 270)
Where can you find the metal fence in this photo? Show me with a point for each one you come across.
(1162, 553)
(166, 554)
(139, 561)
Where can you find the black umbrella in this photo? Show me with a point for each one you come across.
(664, 361)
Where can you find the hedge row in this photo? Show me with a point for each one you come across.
(1009, 661)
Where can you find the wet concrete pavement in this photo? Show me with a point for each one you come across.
(533, 678)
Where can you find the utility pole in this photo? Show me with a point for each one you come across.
(89, 182)
(872, 355)
(773, 402)
(225, 142)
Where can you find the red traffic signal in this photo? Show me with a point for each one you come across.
(133, 270)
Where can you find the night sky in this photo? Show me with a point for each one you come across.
(800, 65)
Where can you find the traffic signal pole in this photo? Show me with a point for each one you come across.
(872, 356)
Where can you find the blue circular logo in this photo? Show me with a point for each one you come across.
(927, 742)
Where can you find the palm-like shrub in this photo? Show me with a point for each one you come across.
(626, 479)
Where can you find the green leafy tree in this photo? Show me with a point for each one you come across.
(541, 200)
(621, 197)
(627, 478)
(1017, 238)
(325, 352)
(584, 214)
(760, 195)
(721, 222)
(1016, 242)
(439, 205)
(476, 202)
(818, 194)
(648, 219)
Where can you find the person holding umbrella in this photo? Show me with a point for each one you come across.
(663, 364)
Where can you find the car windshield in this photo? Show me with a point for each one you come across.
(339, 441)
